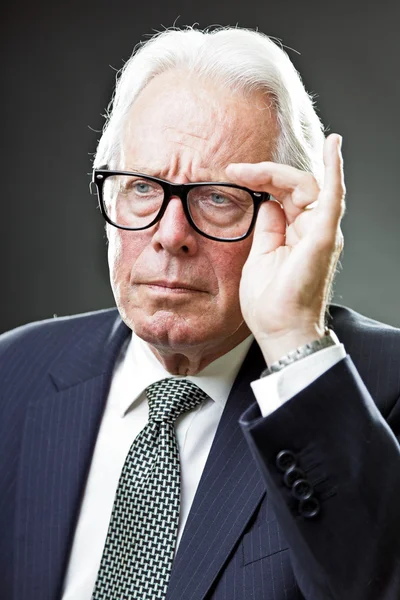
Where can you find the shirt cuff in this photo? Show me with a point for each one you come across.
(274, 390)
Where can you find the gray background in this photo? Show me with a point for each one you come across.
(57, 80)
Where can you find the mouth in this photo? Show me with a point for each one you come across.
(176, 287)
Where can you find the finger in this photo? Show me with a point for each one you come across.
(331, 200)
(270, 229)
(295, 189)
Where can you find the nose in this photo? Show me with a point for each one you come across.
(173, 232)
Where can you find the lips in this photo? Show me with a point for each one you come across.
(173, 285)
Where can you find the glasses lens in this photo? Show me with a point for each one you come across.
(132, 201)
(221, 211)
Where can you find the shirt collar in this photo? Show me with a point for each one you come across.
(139, 368)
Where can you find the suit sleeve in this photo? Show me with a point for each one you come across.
(276, 389)
(331, 464)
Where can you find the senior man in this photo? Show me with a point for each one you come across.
(211, 437)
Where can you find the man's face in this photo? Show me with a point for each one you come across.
(185, 130)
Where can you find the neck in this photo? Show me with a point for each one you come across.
(190, 361)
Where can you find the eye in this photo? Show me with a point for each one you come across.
(218, 198)
(142, 187)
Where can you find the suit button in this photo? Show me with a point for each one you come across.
(309, 508)
(285, 459)
(292, 475)
(302, 489)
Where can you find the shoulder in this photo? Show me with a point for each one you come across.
(374, 348)
(48, 335)
(353, 328)
(39, 359)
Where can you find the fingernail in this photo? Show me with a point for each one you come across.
(339, 142)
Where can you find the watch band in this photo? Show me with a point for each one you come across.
(329, 339)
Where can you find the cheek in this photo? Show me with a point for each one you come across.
(114, 249)
(228, 269)
(123, 251)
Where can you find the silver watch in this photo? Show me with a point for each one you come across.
(329, 339)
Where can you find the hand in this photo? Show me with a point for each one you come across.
(287, 277)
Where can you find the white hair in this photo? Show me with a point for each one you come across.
(240, 60)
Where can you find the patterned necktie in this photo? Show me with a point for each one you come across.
(140, 544)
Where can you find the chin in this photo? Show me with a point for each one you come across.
(165, 329)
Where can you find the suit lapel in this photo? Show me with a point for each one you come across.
(229, 492)
(59, 437)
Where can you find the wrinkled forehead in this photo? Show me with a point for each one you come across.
(183, 119)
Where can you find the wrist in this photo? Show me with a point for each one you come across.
(274, 347)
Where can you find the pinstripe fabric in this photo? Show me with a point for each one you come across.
(351, 456)
(54, 381)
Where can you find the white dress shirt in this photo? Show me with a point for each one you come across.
(125, 415)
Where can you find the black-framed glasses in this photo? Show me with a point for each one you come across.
(217, 210)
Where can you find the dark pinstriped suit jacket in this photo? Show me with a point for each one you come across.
(245, 538)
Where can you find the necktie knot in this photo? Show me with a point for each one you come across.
(171, 397)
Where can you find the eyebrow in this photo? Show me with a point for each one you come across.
(158, 173)
(144, 170)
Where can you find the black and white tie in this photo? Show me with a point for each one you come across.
(140, 544)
